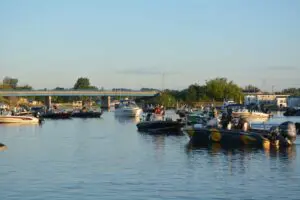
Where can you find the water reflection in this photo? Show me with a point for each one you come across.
(127, 120)
(287, 153)
(19, 125)
(238, 160)
(283, 153)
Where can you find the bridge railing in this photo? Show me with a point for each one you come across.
(75, 93)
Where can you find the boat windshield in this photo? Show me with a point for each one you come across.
(130, 104)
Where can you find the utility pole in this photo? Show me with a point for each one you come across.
(163, 82)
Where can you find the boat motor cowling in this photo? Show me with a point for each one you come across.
(288, 131)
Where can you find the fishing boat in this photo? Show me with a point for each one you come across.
(282, 135)
(152, 125)
(292, 112)
(250, 115)
(19, 119)
(198, 117)
(56, 115)
(86, 114)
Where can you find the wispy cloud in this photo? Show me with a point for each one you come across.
(284, 68)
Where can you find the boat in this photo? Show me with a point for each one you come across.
(282, 135)
(24, 113)
(184, 111)
(19, 119)
(2, 147)
(292, 112)
(56, 115)
(87, 114)
(128, 108)
(198, 117)
(156, 113)
(152, 125)
(250, 115)
(229, 103)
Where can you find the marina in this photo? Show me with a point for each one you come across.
(107, 156)
(154, 100)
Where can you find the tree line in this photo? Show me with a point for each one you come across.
(217, 89)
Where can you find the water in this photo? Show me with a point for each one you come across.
(108, 159)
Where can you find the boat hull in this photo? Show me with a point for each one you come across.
(251, 115)
(128, 112)
(56, 115)
(233, 138)
(161, 127)
(86, 114)
(19, 119)
(2, 147)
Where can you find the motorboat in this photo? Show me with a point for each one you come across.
(282, 135)
(292, 112)
(2, 147)
(157, 113)
(128, 108)
(56, 115)
(19, 119)
(198, 117)
(229, 103)
(150, 124)
(184, 111)
(86, 114)
(245, 113)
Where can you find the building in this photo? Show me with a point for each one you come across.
(250, 99)
(268, 99)
(281, 102)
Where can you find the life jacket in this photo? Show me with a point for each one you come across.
(157, 111)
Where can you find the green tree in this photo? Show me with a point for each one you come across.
(192, 94)
(82, 83)
(165, 99)
(220, 89)
(5, 87)
(24, 87)
(13, 82)
(292, 91)
(251, 88)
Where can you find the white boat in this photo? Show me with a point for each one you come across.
(19, 119)
(128, 109)
(253, 115)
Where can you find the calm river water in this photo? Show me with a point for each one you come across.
(108, 159)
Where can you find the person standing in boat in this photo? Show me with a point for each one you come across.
(244, 124)
(214, 122)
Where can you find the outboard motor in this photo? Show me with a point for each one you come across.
(37, 114)
(297, 127)
(287, 133)
(274, 135)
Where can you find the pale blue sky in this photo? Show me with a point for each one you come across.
(118, 43)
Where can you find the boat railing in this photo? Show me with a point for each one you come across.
(263, 125)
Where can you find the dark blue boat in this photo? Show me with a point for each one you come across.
(283, 135)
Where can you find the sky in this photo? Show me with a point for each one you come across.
(132, 43)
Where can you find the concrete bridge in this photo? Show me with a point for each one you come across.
(104, 94)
